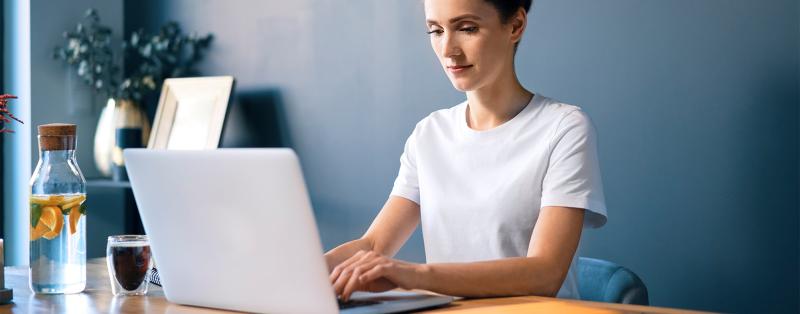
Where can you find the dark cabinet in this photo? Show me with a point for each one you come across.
(111, 210)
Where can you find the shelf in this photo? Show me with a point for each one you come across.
(108, 183)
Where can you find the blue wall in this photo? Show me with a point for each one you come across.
(47, 93)
(696, 104)
(695, 101)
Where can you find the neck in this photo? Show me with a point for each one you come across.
(497, 103)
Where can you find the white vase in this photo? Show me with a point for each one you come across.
(116, 114)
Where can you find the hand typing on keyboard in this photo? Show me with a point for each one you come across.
(370, 271)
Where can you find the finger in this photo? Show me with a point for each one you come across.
(341, 282)
(345, 273)
(353, 283)
(349, 273)
(337, 271)
(339, 268)
(375, 273)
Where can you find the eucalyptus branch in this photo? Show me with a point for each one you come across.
(149, 58)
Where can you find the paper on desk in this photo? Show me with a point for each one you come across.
(539, 307)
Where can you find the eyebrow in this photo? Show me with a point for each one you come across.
(459, 18)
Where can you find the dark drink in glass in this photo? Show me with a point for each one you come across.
(129, 263)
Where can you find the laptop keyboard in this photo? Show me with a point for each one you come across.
(355, 303)
(155, 279)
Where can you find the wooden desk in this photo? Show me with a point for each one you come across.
(97, 298)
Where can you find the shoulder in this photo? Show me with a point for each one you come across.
(564, 123)
(563, 115)
(558, 110)
(442, 119)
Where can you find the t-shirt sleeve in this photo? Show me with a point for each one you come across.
(407, 184)
(573, 174)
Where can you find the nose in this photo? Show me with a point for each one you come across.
(450, 46)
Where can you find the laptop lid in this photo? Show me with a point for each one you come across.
(232, 229)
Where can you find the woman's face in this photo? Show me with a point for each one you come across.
(473, 45)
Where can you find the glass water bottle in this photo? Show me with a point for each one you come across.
(58, 216)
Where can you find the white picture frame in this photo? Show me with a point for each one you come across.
(191, 113)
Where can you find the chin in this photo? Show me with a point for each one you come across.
(462, 85)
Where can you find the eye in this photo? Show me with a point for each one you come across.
(435, 32)
(470, 29)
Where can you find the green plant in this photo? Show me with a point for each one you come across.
(154, 58)
(88, 51)
(149, 58)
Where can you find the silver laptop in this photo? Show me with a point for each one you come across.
(234, 229)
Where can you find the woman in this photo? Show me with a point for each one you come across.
(503, 183)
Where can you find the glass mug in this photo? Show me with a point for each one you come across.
(129, 262)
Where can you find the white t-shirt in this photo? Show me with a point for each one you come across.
(480, 192)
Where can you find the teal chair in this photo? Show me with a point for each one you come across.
(604, 281)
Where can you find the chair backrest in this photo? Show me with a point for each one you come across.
(604, 281)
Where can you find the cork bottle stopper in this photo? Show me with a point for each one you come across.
(57, 136)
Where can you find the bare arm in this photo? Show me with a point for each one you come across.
(553, 244)
(389, 231)
(552, 247)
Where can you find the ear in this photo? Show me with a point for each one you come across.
(518, 24)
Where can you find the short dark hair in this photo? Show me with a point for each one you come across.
(507, 8)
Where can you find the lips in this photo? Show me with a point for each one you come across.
(458, 68)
